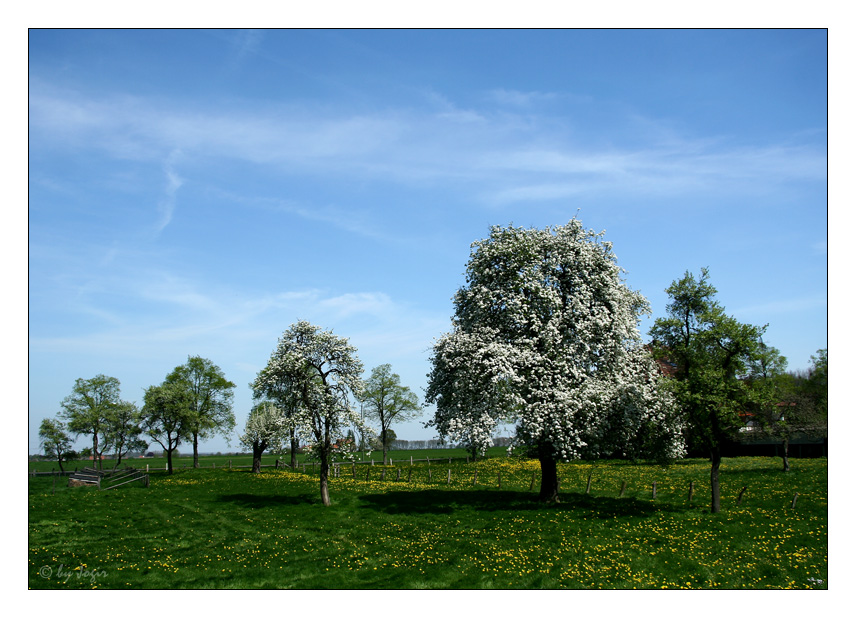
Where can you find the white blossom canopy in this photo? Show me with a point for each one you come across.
(323, 371)
(546, 335)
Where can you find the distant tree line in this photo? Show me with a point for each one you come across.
(194, 402)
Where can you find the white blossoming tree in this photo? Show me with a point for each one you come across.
(266, 429)
(324, 371)
(545, 335)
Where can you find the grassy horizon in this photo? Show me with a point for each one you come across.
(216, 528)
(242, 460)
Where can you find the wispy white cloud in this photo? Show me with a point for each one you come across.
(167, 205)
(378, 304)
(504, 157)
(521, 99)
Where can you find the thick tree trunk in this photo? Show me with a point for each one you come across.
(169, 461)
(95, 454)
(384, 445)
(549, 491)
(786, 467)
(324, 467)
(195, 450)
(294, 449)
(257, 457)
(715, 481)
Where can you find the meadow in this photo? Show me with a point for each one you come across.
(447, 526)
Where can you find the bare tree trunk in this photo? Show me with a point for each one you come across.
(169, 460)
(715, 481)
(257, 456)
(195, 450)
(549, 492)
(383, 444)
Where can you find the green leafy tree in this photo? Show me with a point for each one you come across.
(266, 428)
(387, 400)
(211, 400)
(546, 336)
(124, 431)
(712, 352)
(324, 371)
(792, 405)
(167, 415)
(88, 408)
(54, 440)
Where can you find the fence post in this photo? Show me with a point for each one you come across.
(367, 473)
(690, 493)
(448, 476)
(383, 471)
(794, 501)
(475, 475)
(588, 482)
(429, 475)
(398, 474)
(409, 475)
(740, 494)
(654, 490)
(622, 491)
(353, 471)
(412, 460)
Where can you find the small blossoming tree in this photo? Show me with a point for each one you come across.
(266, 428)
(545, 335)
(323, 370)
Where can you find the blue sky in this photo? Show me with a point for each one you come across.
(196, 192)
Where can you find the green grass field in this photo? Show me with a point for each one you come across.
(217, 528)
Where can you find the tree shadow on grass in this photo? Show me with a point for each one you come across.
(257, 501)
(449, 501)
